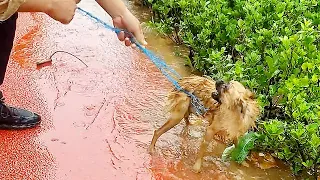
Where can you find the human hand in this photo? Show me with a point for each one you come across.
(62, 10)
(130, 23)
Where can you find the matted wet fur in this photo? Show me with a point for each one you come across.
(232, 110)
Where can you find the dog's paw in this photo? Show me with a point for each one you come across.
(197, 166)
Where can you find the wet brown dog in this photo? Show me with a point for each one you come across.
(232, 110)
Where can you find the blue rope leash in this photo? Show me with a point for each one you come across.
(196, 103)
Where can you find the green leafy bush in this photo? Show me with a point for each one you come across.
(269, 45)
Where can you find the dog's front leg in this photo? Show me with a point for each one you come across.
(210, 132)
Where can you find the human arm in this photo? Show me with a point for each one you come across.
(60, 10)
(64, 10)
(124, 19)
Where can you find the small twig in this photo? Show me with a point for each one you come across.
(113, 154)
(114, 123)
(69, 54)
(115, 141)
(112, 161)
(95, 117)
(58, 91)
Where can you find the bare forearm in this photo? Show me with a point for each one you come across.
(60, 10)
(123, 19)
(35, 6)
(114, 8)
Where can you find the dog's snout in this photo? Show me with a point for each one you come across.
(219, 83)
(215, 96)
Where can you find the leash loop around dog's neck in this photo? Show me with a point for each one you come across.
(161, 65)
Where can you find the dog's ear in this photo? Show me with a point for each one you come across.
(249, 94)
(243, 106)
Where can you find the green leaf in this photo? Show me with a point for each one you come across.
(246, 143)
(308, 163)
(303, 107)
(274, 127)
(304, 82)
(314, 78)
(239, 47)
(271, 64)
(289, 86)
(312, 128)
(227, 152)
(285, 42)
(238, 69)
(304, 66)
(315, 141)
(287, 153)
(297, 133)
(240, 23)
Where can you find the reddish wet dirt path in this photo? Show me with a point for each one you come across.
(92, 126)
(97, 120)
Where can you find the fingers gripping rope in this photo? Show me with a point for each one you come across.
(162, 66)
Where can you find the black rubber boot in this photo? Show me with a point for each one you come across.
(16, 118)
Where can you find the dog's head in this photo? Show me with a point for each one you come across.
(238, 108)
(233, 95)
